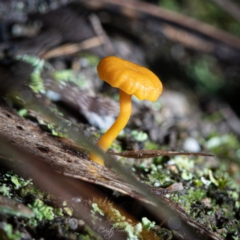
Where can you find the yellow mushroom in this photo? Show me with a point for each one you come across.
(131, 79)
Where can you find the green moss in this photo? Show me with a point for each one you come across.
(5, 190)
(41, 210)
(186, 175)
(36, 83)
(201, 183)
(225, 146)
(121, 224)
(132, 231)
(51, 219)
(64, 75)
(139, 135)
(159, 178)
(52, 128)
(147, 224)
(96, 209)
(68, 75)
(19, 182)
(183, 163)
(189, 197)
(71, 76)
(23, 112)
(151, 145)
(221, 179)
(93, 60)
(17, 186)
(197, 182)
(7, 233)
(11, 181)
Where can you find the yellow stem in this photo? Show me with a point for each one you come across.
(106, 140)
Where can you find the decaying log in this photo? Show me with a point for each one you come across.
(28, 137)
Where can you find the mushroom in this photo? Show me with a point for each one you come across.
(131, 79)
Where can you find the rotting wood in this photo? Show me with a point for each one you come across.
(31, 139)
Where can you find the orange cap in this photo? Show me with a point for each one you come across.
(130, 78)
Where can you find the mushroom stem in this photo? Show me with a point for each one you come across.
(106, 140)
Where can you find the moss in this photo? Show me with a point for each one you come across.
(224, 146)
(116, 146)
(151, 145)
(47, 219)
(7, 233)
(70, 76)
(5, 190)
(96, 209)
(11, 183)
(188, 198)
(221, 179)
(121, 224)
(91, 59)
(52, 128)
(147, 224)
(159, 178)
(18, 181)
(41, 210)
(201, 182)
(139, 135)
(23, 112)
(36, 83)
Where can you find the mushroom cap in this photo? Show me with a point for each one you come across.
(130, 78)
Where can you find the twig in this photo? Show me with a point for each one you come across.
(155, 153)
(68, 49)
(142, 11)
(97, 27)
(187, 39)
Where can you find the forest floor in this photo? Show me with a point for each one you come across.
(180, 182)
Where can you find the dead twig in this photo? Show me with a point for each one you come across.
(155, 153)
(174, 26)
(68, 49)
(97, 27)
